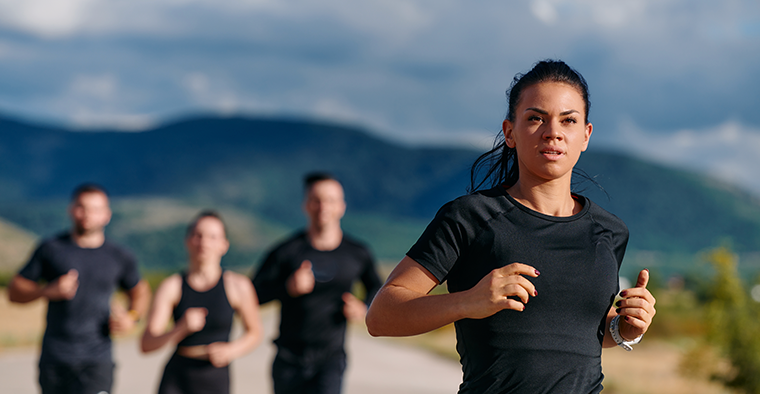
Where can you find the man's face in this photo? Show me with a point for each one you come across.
(324, 203)
(90, 212)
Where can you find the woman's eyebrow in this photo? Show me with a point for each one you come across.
(543, 112)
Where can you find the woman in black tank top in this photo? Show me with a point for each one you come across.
(202, 302)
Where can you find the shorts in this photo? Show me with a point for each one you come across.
(84, 378)
(184, 375)
(314, 375)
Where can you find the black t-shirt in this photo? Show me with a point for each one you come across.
(555, 344)
(77, 329)
(315, 321)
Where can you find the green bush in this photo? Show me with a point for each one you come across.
(733, 323)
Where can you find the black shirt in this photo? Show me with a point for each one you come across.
(315, 320)
(219, 313)
(77, 329)
(555, 344)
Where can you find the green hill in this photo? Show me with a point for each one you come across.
(251, 169)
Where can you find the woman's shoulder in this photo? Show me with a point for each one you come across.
(604, 217)
(237, 282)
(170, 289)
(235, 278)
(237, 287)
(478, 202)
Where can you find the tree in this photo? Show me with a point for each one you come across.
(733, 324)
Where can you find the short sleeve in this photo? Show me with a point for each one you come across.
(34, 268)
(130, 273)
(269, 280)
(444, 240)
(369, 277)
(621, 243)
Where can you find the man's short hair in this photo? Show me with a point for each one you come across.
(88, 187)
(318, 176)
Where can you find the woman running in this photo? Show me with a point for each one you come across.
(532, 268)
(202, 302)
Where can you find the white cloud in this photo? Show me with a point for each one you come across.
(727, 151)
(45, 18)
(94, 87)
(413, 70)
(544, 10)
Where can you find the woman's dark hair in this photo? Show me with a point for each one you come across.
(208, 213)
(500, 163)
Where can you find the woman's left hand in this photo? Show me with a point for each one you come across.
(636, 309)
(219, 354)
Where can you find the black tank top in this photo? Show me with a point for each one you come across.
(218, 319)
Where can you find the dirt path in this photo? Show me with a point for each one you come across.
(375, 366)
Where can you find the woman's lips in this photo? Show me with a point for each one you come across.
(552, 153)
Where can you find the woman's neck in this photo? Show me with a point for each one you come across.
(551, 198)
(204, 274)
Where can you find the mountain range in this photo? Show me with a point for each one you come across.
(251, 170)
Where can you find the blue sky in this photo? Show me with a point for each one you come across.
(677, 81)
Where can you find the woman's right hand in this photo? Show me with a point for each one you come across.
(194, 319)
(492, 293)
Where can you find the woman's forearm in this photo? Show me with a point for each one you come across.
(151, 342)
(398, 311)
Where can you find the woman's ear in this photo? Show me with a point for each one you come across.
(506, 128)
(589, 129)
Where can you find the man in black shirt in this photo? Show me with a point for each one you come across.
(80, 270)
(312, 275)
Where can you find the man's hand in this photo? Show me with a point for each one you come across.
(120, 321)
(62, 288)
(353, 308)
(302, 281)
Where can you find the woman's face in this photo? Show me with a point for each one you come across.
(208, 240)
(549, 131)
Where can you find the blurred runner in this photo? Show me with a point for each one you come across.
(312, 275)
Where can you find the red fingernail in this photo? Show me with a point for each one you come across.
(623, 293)
(627, 318)
(538, 273)
(535, 293)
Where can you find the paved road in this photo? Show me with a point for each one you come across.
(375, 366)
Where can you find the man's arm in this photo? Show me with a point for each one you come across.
(23, 290)
(371, 280)
(139, 298)
(355, 309)
(268, 281)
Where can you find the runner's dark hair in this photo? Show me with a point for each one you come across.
(206, 213)
(499, 166)
(317, 176)
(87, 187)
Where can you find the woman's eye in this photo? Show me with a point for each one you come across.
(535, 118)
(570, 120)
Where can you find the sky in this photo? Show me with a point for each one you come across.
(675, 81)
